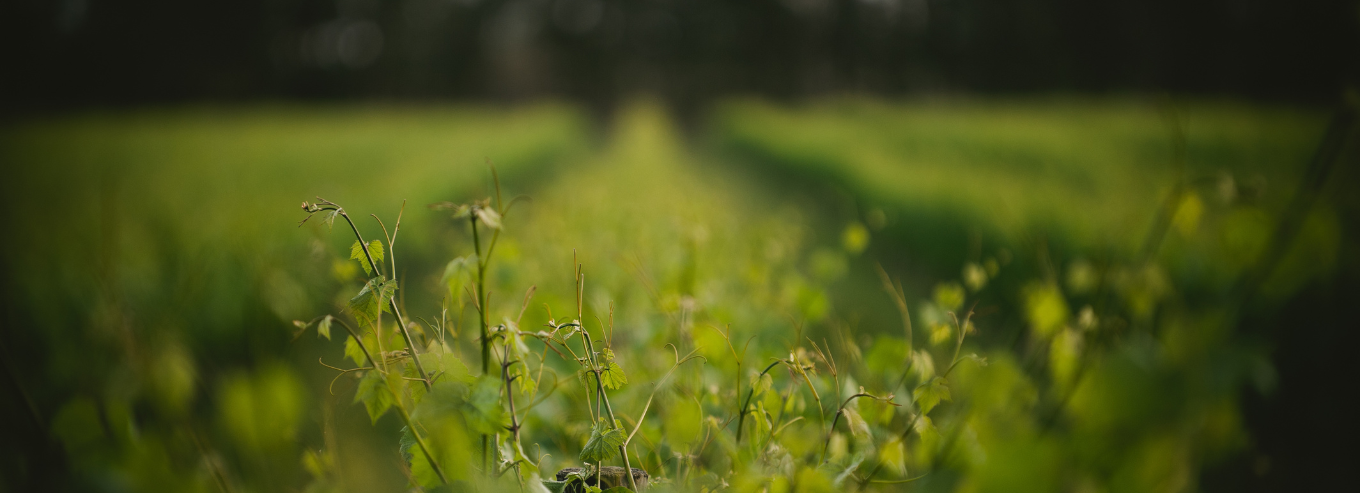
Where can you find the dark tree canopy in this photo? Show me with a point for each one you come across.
(86, 52)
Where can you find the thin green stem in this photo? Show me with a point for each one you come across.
(401, 409)
(627, 467)
(741, 417)
(836, 419)
(510, 397)
(482, 319)
(434, 464)
(391, 303)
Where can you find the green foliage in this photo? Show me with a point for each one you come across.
(760, 384)
(683, 420)
(372, 300)
(489, 217)
(375, 249)
(1122, 373)
(354, 352)
(612, 376)
(855, 238)
(604, 443)
(857, 425)
(949, 296)
(927, 395)
(261, 412)
(375, 392)
(482, 408)
(1045, 308)
(323, 328)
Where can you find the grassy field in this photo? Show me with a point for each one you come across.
(1081, 175)
(160, 268)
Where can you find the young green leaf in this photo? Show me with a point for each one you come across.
(354, 352)
(482, 409)
(461, 211)
(329, 217)
(760, 419)
(761, 384)
(375, 394)
(375, 248)
(489, 217)
(894, 455)
(604, 442)
(927, 395)
(612, 376)
(323, 329)
(459, 271)
(356, 252)
(855, 422)
(366, 305)
(406, 443)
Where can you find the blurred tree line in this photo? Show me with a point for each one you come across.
(67, 53)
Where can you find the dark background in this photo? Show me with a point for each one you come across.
(81, 53)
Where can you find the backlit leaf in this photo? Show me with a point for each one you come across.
(375, 248)
(489, 217)
(329, 217)
(760, 384)
(855, 422)
(356, 252)
(612, 376)
(323, 329)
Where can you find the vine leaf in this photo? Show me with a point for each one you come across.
(442, 368)
(761, 384)
(407, 443)
(489, 217)
(482, 409)
(604, 442)
(929, 394)
(329, 217)
(354, 352)
(323, 329)
(366, 305)
(612, 376)
(857, 425)
(375, 248)
(375, 395)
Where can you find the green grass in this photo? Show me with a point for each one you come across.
(155, 257)
(1089, 171)
(128, 195)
